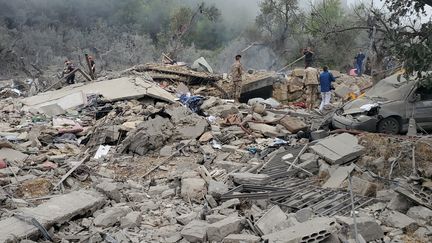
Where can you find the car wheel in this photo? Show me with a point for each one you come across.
(389, 125)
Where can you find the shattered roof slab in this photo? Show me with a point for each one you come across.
(112, 90)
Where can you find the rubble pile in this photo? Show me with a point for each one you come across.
(345, 86)
(87, 164)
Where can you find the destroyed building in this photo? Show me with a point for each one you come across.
(92, 162)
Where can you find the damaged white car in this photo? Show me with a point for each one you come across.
(387, 107)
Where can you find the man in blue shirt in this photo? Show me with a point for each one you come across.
(359, 62)
(326, 78)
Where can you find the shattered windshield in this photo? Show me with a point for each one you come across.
(395, 87)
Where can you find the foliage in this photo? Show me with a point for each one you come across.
(277, 21)
(335, 50)
(411, 38)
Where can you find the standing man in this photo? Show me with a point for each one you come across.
(92, 65)
(69, 67)
(236, 74)
(311, 82)
(309, 56)
(359, 62)
(326, 78)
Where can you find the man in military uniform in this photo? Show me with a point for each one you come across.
(311, 82)
(236, 74)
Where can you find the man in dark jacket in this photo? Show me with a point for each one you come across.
(359, 62)
(69, 67)
(326, 78)
(308, 56)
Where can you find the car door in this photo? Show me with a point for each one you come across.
(423, 108)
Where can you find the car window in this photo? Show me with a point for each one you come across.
(424, 92)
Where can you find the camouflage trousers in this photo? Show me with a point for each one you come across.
(311, 95)
(237, 87)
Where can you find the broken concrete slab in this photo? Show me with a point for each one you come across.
(131, 220)
(366, 226)
(319, 134)
(195, 231)
(52, 110)
(364, 187)
(400, 203)
(186, 218)
(111, 216)
(293, 124)
(304, 215)
(249, 178)
(266, 130)
(400, 221)
(215, 218)
(314, 230)
(270, 220)
(74, 95)
(339, 149)
(420, 214)
(241, 238)
(195, 131)
(55, 211)
(339, 176)
(216, 232)
(9, 171)
(12, 155)
(110, 189)
(230, 203)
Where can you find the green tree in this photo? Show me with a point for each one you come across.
(277, 21)
(411, 41)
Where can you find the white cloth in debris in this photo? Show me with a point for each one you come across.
(368, 107)
(325, 99)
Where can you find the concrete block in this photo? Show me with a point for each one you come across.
(339, 149)
(364, 187)
(293, 124)
(315, 230)
(186, 218)
(195, 131)
(55, 211)
(217, 188)
(400, 203)
(319, 134)
(270, 220)
(215, 218)
(111, 216)
(195, 231)
(131, 220)
(420, 214)
(398, 220)
(110, 189)
(216, 232)
(241, 238)
(193, 188)
(366, 226)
